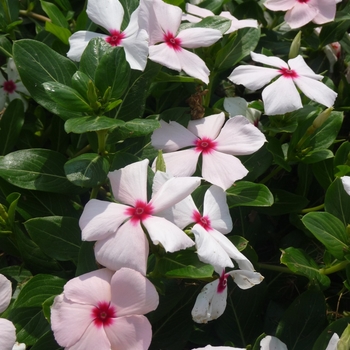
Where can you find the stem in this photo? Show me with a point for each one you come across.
(276, 268)
(82, 151)
(94, 192)
(271, 175)
(308, 210)
(101, 136)
(207, 97)
(335, 268)
(34, 15)
(238, 323)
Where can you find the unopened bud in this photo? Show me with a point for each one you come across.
(294, 48)
(321, 118)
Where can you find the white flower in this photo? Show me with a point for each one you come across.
(282, 95)
(346, 183)
(272, 343)
(109, 15)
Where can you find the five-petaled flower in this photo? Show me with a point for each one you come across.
(216, 143)
(167, 46)
(109, 15)
(118, 228)
(301, 12)
(104, 310)
(282, 95)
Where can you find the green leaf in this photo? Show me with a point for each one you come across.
(59, 237)
(82, 125)
(275, 147)
(45, 342)
(38, 64)
(87, 170)
(86, 260)
(213, 22)
(323, 172)
(64, 95)
(244, 193)
(54, 14)
(5, 46)
(80, 82)
(299, 262)
(61, 33)
(11, 123)
(11, 10)
(317, 155)
(333, 31)
(36, 169)
(328, 230)
(237, 48)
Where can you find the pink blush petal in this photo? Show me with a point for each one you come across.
(5, 292)
(8, 334)
(239, 137)
(96, 282)
(216, 208)
(130, 333)
(167, 234)
(193, 38)
(69, 320)
(268, 60)
(172, 136)
(181, 163)
(279, 5)
(207, 127)
(101, 219)
(298, 64)
(129, 184)
(222, 169)
(127, 248)
(168, 16)
(300, 14)
(326, 11)
(288, 97)
(165, 56)
(198, 11)
(132, 293)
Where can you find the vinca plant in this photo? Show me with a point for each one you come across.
(174, 174)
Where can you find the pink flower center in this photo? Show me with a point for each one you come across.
(288, 73)
(115, 38)
(204, 221)
(103, 314)
(205, 145)
(303, 1)
(140, 212)
(222, 282)
(9, 86)
(172, 42)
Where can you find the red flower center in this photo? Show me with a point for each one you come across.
(222, 282)
(288, 73)
(115, 38)
(9, 86)
(205, 145)
(204, 221)
(172, 42)
(303, 1)
(140, 212)
(103, 314)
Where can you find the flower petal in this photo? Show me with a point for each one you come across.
(132, 293)
(333, 342)
(167, 234)
(269, 60)
(136, 50)
(299, 65)
(346, 183)
(301, 14)
(172, 136)
(165, 56)
(326, 11)
(239, 137)
(222, 169)
(168, 16)
(100, 219)
(209, 250)
(193, 38)
(8, 334)
(209, 304)
(78, 42)
(106, 13)
(90, 288)
(238, 24)
(147, 21)
(288, 97)
(216, 208)
(130, 333)
(279, 5)
(207, 127)
(5, 293)
(316, 91)
(129, 184)
(127, 248)
(198, 11)
(173, 191)
(246, 279)
(270, 342)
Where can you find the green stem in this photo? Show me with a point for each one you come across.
(335, 268)
(101, 136)
(308, 210)
(271, 175)
(275, 268)
(207, 97)
(34, 15)
(94, 192)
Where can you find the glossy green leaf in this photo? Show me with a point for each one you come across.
(86, 260)
(80, 82)
(5, 46)
(334, 31)
(61, 33)
(214, 22)
(59, 237)
(54, 14)
(46, 341)
(87, 124)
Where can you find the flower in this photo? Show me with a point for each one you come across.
(346, 183)
(209, 347)
(212, 246)
(167, 45)
(282, 95)
(117, 228)
(333, 342)
(109, 15)
(301, 12)
(272, 343)
(211, 301)
(200, 13)
(103, 310)
(217, 147)
(12, 87)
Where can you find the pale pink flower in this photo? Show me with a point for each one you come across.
(272, 343)
(301, 12)
(168, 45)
(109, 15)
(209, 347)
(195, 14)
(282, 95)
(216, 142)
(118, 228)
(104, 310)
(211, 301)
